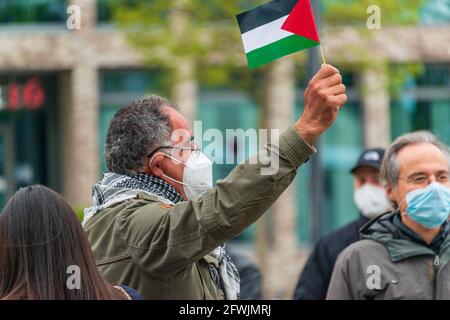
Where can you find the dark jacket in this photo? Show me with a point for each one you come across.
(389, 264)
(316, 275)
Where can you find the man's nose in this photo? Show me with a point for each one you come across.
(431, 179)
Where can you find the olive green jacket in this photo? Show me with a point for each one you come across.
(158, 249)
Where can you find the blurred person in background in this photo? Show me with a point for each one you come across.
(249, 274)
(157, 224)
(371, 200)
(41, 241)
(405, 253)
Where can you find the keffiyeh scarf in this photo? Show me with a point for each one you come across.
(116, 188)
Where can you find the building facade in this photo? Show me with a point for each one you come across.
(59, 88)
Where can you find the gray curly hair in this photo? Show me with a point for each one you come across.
(135, 131)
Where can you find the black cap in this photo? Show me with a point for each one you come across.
(370, 158)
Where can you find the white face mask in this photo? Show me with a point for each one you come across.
(197, 176)
(371, 200)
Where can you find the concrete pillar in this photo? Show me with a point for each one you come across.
(280, 106)
(79, 107)
(185, 90)
(88, 10)
(376, 107)
(79, 116)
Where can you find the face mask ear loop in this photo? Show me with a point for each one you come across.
(174, 159)
(400, 204)
(168, 156)
(182, 183)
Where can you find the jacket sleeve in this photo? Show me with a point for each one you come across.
(316, 274)
(164, 241)
(339, 288)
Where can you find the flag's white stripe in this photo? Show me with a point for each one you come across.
(265, 35)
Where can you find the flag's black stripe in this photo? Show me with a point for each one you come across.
(264, 14)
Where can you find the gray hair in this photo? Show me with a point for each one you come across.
(134, 132)
(390, 168)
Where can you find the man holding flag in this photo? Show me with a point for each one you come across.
(157, 225)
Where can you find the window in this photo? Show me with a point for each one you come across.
(29, 131)
(29, 11)
(436, 12)
(226, 109)
(340, 147)
(424, 104)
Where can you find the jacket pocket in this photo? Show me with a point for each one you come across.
(374, 294)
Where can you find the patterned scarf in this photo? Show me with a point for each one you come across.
(116, 188)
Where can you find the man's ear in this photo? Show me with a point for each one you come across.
(155, 165)
(390, 192)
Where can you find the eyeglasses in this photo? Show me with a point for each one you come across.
(423, 179)
(192, 147)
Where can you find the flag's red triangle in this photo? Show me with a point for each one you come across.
(301, 21)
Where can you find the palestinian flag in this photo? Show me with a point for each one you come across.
(276, 29)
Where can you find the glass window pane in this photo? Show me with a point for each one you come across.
(222, 111)
(341, 146)
(30, 11)
(339, 150)
(28, 130)
(436, 12)
(424, 104)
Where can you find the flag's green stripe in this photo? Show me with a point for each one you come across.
(278, 49)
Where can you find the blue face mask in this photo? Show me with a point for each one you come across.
(430, 206)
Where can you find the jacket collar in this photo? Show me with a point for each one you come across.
(362, 221)
(400, 247)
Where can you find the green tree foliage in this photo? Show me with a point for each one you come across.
(206, 33)
(393, 12)
(203, 32)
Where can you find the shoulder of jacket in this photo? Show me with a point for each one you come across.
(145, 207)
(365, 249)
(344, 235)
(338, 233)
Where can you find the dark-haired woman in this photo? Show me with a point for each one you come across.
(44, 252)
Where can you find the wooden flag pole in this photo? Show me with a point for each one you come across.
(323, 56)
